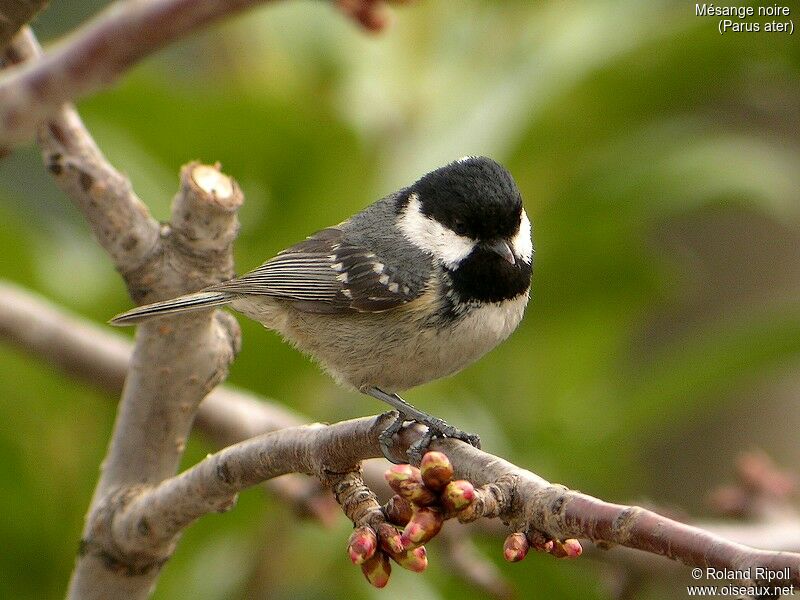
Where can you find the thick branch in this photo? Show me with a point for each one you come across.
(529, 503)
(212, 484)
(165, 384)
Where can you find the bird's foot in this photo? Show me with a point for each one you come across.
(439, 428)
(435, 428)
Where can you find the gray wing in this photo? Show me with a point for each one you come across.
(325, 273)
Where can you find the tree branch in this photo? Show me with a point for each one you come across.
(530, 504)
(165, 384)
(155, 517)
(212, 484)
(101, 358)
(96, 55)
(230, 416)
(139, 508)
(119, 220)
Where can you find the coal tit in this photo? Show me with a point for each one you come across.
(413, 288)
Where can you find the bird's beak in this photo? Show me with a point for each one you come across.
(501, 248)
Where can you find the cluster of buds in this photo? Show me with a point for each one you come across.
(424, 498)
(517, 545)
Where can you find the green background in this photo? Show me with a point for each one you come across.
(659, 162)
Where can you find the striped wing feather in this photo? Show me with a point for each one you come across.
(325, 273)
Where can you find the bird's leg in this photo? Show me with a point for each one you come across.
(436, 427)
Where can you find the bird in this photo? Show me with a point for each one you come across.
(415, 287)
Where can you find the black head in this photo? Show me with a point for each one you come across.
(474, 196)
(468, 215)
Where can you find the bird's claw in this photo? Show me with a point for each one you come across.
(438, 428)
(435, 428)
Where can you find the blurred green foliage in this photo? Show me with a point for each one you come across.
(640, 138)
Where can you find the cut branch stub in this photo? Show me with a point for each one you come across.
(197, 247)
(204, 213)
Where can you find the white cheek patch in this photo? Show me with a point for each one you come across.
(431, 236)
(521, 243)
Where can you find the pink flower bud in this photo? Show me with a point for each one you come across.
(424, 524)
(515, 547)
(400, 477)
(398, 510)
(377, 570)
(414, 560)
(389, 537)
(406, 481)
(436, 470)
(570, 548)
(362, 545)
(457, 495)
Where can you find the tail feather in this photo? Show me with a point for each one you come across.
(188, 303)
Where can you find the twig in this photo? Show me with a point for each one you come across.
(119, 220)
(529, 503)
(101, 51)
(761, 496)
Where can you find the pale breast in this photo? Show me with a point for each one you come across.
(392, 351)
(482, 329)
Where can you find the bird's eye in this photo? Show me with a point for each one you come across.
(460, 227)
